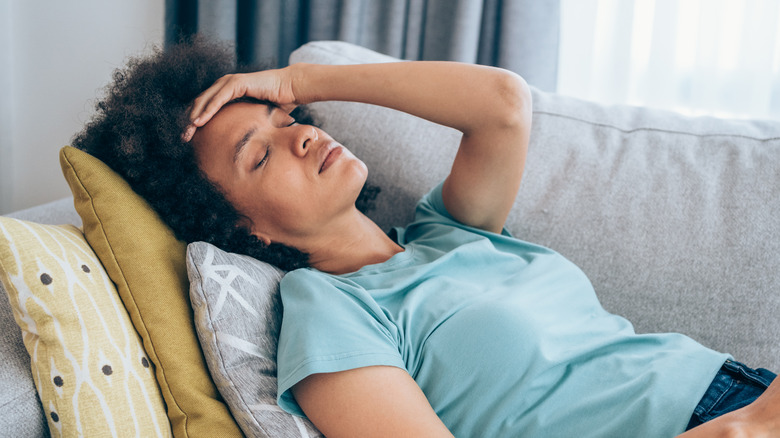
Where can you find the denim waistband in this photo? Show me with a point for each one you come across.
(735, 386)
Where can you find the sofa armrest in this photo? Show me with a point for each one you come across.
(56, 212)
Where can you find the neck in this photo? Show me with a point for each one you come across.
(349, 246)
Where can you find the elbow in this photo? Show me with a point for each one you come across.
(513, 100)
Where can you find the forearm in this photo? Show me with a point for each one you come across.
(490, 106)
(462, 96)
(758, 419)
(727, 426)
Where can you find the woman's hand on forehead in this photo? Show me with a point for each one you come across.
(275, 86)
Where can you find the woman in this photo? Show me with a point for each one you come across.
(447, 326)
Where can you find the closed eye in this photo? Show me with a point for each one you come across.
(264, 159)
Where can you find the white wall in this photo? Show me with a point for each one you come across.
(56, 57)
(6, 120)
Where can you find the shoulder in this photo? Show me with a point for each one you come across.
(302, 276)
(307, 292)
(311, 283)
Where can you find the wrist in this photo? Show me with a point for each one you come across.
(301, 83)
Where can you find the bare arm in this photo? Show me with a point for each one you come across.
(490, 106)
(758, 419)
(376, 401)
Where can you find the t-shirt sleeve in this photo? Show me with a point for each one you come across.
(431, 207)
(327, 329)
(431, 210)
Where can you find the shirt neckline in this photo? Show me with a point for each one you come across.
(400, 258)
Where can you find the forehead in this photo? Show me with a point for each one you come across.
(232, 120)
(214, 141)
(239, 111)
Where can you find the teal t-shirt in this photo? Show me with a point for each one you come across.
(505, 338)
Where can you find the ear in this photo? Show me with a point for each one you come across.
(263, 237)
(247, 224)
(266, 241)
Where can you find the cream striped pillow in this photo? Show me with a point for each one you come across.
(90, 369)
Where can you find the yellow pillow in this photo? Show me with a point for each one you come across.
(87, 361)
(147, 263)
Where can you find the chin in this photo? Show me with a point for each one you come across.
(357, 168)
(358, 179)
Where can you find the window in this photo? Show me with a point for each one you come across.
(698, 57)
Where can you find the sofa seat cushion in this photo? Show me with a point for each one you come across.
(20, 407)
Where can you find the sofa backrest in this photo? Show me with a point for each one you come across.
(674, 219)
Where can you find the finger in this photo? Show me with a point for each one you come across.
(288, 107)
(188, 133)
(196, 107)
(205, 98)
(224, 95)
(203, 110)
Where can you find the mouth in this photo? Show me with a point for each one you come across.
(330, 154)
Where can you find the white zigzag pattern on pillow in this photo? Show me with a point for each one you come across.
(240, 344)
(276, 408)
(214, 272)
(225, 276)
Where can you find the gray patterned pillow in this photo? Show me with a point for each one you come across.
(237, 315)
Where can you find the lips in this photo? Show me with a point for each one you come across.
(329, 155)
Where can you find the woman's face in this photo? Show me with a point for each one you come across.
(290, 180)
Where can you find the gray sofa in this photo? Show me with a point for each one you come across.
(674, 219)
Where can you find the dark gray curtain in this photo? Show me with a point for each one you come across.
(520, 35)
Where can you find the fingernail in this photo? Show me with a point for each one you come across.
(195, 122)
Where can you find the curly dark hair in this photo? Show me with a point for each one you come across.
(137, 132)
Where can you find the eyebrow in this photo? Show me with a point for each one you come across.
(241, 144)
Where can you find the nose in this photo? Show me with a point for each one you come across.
(304, 138)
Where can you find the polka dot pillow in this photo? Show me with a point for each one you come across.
(90, 369)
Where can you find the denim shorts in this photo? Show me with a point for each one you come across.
(734, 387)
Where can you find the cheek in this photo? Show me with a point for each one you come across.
(271, 215)
(287, 206)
